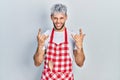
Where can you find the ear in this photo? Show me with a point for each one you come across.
(66, 17)
(51, 17)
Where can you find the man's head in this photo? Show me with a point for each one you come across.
(59, 16)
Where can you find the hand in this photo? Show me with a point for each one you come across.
(79, 39)
(41, 38)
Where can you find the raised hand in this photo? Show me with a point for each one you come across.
(79, 39)
(41, 38)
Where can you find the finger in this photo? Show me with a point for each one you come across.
(72, 36)
(38, 36)
(76, 36)
(39, 32)
(84, 35)
(42, 37)
(79, 38)
(80, 31)
(46, 37)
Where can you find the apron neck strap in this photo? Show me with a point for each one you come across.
(65, 35)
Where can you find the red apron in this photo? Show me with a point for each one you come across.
(62, 63)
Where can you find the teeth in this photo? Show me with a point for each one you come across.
(58, 24)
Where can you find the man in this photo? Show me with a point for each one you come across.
(59, 47)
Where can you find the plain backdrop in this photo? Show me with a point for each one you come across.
(21, 19)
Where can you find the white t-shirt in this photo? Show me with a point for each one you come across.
(59, 37)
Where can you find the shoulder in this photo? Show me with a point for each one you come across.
(47, 32)
(70, 33)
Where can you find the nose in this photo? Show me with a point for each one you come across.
(58, 21)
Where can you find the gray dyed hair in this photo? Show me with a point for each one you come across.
(58, 8)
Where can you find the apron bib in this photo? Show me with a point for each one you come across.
(59, 56)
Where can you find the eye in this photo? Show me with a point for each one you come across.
(62, 18)
(55, 18)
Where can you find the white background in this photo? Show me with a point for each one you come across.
(21, 19)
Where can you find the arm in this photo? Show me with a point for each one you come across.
(39, 54)
(79, 52)
(79, 57)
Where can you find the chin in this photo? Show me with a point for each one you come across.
(58, 27)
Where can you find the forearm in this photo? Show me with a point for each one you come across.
(79, 57)
(39, 56)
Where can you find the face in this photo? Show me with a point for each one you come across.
(59, 20)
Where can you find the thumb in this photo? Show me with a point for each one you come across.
(72, 36)
(84, 35)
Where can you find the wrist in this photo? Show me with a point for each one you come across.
(79, 47)
(40, 45)
(78, 50)
(40, 48)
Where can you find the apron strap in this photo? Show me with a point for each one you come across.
(65, 36)
(51, 37)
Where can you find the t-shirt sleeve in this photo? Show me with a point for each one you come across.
(74, 46)
(47, 33)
